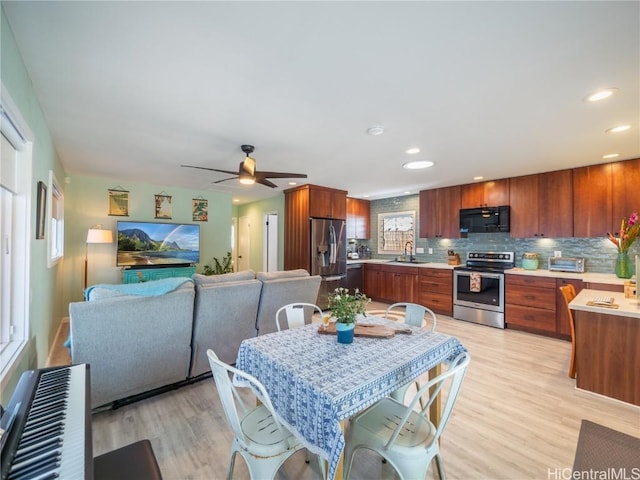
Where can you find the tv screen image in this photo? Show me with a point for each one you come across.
(153, 244)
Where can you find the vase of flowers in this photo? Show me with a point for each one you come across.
(629, 230)
(345, 308)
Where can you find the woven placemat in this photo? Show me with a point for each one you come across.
(600, 448)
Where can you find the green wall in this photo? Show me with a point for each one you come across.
(47, 306)
(86, 205)
(256, 212)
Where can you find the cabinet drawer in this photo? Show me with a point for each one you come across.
(542, 298)
(530, 281)
(439, 303)
(443, 286)
(535, 318)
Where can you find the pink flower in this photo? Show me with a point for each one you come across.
(633, 218)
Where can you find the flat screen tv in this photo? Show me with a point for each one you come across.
(151, 244)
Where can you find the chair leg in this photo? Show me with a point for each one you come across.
(572, 364)
(440, 466)
(232, 464)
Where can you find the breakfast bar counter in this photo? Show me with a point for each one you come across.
(608, 345)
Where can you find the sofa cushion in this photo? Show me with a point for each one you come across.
(266, 276)
(152, 288)
(200, 279)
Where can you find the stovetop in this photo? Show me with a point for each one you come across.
(489, 261)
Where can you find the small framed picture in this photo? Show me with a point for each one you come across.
(163, 206)
(200, 209)
(41, 212)
(118, 203)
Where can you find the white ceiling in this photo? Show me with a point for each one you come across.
(132, 90)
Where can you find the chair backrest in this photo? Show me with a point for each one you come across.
(295, 314)
(414, 314)
(234, 408)
(569, 293)
(447, 384)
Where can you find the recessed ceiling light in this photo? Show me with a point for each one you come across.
(236, 200)
(480, 177)
(618, 129)
(365, 196)
(418, 164)
(375, 130)
(412, 151)
(407, 193)
(601, 94)
(293, 183)
(611, 155)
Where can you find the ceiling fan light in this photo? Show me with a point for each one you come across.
(246, 180)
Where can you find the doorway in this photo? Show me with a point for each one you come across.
(244, 244)
(270, 244)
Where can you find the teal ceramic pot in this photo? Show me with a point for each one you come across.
(345, 332)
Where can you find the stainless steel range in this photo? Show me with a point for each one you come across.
(478, 288)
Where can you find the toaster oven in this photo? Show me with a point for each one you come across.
(566, 264)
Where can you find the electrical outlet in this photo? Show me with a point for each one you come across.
(419, 250)
(557, 253)
(431, 251)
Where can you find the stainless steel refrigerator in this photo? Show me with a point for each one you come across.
(328, 255)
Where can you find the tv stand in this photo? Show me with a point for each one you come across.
(137, 275)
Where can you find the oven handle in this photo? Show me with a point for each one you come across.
(482, 274)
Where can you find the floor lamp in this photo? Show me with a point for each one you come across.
(95, 235)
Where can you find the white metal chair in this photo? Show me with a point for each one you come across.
(413, 314)
(417, 316)
(295, 313)
(403, 435)
(259, 438)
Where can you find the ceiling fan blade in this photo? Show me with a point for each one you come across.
(264, 181)
(225, 179)
(281, 175)
(211, 169)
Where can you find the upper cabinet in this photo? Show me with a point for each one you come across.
(327, 202)
(592, 201)
(440, 213)
(625, 177)
(358, 213)
(541, 205)
(485, 194)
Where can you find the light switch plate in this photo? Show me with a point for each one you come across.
(419, 250)
(431, 251)
(557, 253)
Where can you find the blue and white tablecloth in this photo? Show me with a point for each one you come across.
(314, 382)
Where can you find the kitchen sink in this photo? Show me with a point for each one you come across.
(414, 262)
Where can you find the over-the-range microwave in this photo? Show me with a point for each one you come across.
(484, 219)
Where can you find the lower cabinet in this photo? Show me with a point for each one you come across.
(530, 303)
(137, 275)
(390, 283)
(435, 290)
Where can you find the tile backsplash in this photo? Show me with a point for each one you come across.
(600, 253)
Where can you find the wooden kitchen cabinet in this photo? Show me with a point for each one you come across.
(440, 213)
(530, 303)
(435, 290)
(390, 283)
(485, 194)
(358, 214)
(300, 204)
(592, 201)
(625, 178)
(541, 205)
(563, 327)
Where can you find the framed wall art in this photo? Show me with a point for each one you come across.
(395, 230)
(118, 200)
(200, 209)
(41, 212)
(163, 206)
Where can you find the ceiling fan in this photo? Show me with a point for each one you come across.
(247, 173)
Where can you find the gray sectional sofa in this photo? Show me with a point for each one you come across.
(143, 337)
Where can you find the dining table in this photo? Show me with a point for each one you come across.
(316, 383)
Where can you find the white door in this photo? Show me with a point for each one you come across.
(244, 244)
(270, 249)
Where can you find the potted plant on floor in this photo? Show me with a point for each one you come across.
(345, 308)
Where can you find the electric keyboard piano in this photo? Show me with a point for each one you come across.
(46, 427)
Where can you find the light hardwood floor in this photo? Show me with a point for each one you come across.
(518, 417)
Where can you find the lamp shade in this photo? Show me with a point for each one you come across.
(97, 235)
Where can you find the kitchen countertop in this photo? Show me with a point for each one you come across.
(627, 307)
(604, 278)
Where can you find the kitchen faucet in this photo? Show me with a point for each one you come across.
(410, 250)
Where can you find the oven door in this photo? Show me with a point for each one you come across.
(482, 290)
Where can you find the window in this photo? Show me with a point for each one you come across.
(55, 221)
(15, 228)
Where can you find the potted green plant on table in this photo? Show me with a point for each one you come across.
(345, 308)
